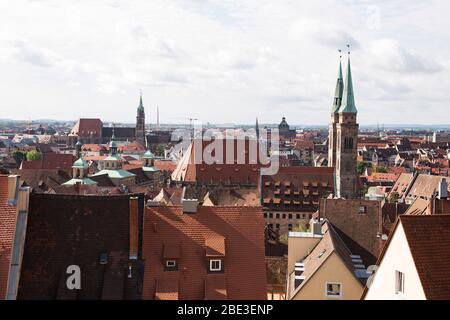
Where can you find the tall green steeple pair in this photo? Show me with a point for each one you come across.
(344, 98)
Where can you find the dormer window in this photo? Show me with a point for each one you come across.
(215, 265)
(170, 265)
(171, 256)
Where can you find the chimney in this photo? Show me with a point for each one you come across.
(443, 189)
(316, 227)
(13, 189)
(134, 227)
(190, 205)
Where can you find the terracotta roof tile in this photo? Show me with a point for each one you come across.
(216, 287)
(167, 289)
(429, 241)
(244, 262)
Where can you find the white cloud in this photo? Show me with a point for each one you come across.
(390, 55)
(222, 61)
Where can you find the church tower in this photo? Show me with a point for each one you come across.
(335, 117)
(346, 142)
(140, 123)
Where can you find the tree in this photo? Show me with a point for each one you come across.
(381, 169)
(19, 156)
(34, 155)
(361, 167)
(302, 226)
(159, 151)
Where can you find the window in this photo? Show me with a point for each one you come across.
(265, 215)
(278, 226)
(290, 226)
(215, 265)
(298, 216)
(361, 209)
(171, 264)
(284, 216)
(333, 290)
(270, 215)
(290, 216)
(277, 216)
(399, 282)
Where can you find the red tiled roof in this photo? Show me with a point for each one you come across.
(7, 228)
(165, 165)
(429, 242)
(51, 161)
(304, 185)
(93, 147)
(244, 262)
(167, 289)
(200, 171)
(216, 287)
(87, 128)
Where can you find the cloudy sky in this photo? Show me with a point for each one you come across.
(223, 60)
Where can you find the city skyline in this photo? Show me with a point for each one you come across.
(242, 61)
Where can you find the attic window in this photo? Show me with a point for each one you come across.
(171, 265)
(215, 265)
(361, 209)
(333, 290)
(399, 282)
(103, 258)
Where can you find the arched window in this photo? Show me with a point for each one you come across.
(348, 144)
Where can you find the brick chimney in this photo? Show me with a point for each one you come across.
(134, 227)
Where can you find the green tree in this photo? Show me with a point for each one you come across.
(34, 155)
(380, 169)
(19, 156)
(362, 165)
(159, 151)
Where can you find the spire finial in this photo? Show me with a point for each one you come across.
(340, 53)
(348, 47)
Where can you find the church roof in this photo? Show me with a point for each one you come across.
(148, 155)
(115, 174)
(339, 90)
(348, 98)
(80, 163)
(141, 106)
(85, 181)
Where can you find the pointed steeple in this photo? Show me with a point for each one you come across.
(141, 105)
(257, 128)
(113, 143)
(339, 88)
(348, 98)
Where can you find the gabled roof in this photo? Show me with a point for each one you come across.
(87, 128)
(329, 244)
(239, 229)
(429, 242)
(98, 224)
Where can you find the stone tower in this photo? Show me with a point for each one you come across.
(335, 118)
(346, 142)
(140, 123)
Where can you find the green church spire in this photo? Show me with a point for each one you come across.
(339, 89)
(348, 97)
